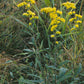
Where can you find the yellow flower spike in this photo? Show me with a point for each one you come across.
(36, 17)
(32, 1)
(53, 15)
(27, 6)
(69, 5)
(21, 4)
(56, 42)
(71, 20)
(30, 23)
(54, 9)
(53, 22)
(48, 9)
(63, 20)
(76, 25)
(58, 32)
(79, 16)
(53, 27)
(52, 36)
(73, 29)
(59, 12)
(78, 21)
(25, 14)
(30, 12)
(73, 12)
(70, 13)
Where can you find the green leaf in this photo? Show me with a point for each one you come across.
(66, 76)
(34, 75)
(11, 74)
(23, 81)
(28, 50)
(19, 21)
(47, 2)
(41, 44)
(53, 67)
(62, 71)
(63, 78)
(79, 69)
(65, 62)
(9, 61)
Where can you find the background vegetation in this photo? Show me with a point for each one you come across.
(30, 56)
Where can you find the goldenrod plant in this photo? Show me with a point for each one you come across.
(41, 42)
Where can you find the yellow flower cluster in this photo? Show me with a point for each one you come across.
(30, 23)
(55, 19)
(70, 13)
(77, 15)
(72, 19)
(53, 27)
(58, 32)
(25, 14)
(76, 22)
(21, 4)
(27, 4)
(52, 35)
(59, 12)
(56, 42)
(48, 9)
(76, 25)
(73, 29)
(69, 5)
(30, 13)
(31, 1)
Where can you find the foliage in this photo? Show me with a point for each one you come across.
(42, 43)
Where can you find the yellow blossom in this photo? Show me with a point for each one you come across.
(73, 12)
(56, 42)
(53, 15)
(48, 9)
(78, 21)
(73, 29)
(71, 20)
(25, 14)
(30, 23)
(52, 36)
(58, 32)
(21, 4)
(63, 20)
(54, 21)
(69, 5)
(27, 6)
(70, 13)
(34, 17)
(59, 12)
(79, 16)
(53, 27)
(76, 25)
(31, 1)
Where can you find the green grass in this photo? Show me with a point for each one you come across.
(31, 56)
